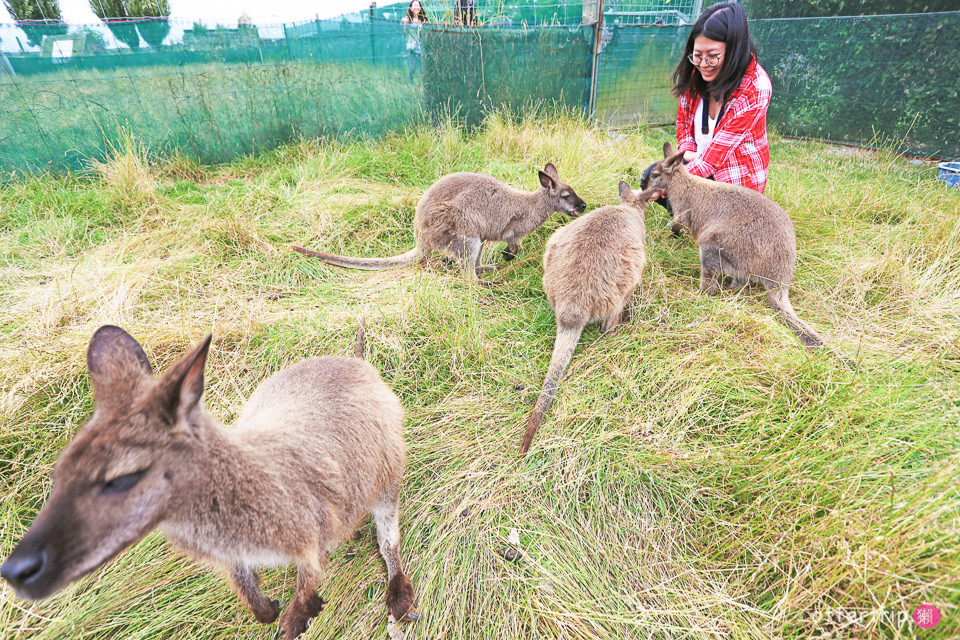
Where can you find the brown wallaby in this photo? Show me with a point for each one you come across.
(740, 233)
(590, 269)
(317, 447)
(461, 211)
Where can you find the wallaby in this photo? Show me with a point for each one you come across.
(590, 269)
(461, 211)
(740, 233)
(317, 447)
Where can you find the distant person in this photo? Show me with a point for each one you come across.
(416, 16)
(724, 95)
(464, 13)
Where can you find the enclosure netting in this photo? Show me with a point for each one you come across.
(879, 80)
(216, 94)
(220, 93)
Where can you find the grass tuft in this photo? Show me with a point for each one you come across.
(700, 475)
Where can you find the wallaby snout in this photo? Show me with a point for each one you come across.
(150, 456)
(22, 569)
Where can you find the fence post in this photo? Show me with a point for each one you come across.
(6, 67)
(373, 36)
(697, 6)
(593, 14)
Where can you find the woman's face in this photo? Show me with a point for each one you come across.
(415, 7)
(708, 52)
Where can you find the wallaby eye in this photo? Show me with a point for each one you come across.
(565, 195)
(121, 484)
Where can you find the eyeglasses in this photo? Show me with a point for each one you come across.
(711, 61)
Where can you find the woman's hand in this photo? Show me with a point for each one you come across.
(689, 156)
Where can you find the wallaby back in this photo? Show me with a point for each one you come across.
(740, 234)
(461, 211)
(591, 268)
(317, 447)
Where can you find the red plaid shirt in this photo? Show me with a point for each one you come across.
(739, 152)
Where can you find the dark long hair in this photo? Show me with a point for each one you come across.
(724, 22)
(422, 16)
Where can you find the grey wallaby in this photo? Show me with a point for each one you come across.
(461, 211)
(740, 233)
(318, 446)
(591, 267)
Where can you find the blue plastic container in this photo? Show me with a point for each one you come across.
(950, 173)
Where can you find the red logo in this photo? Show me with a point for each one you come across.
(926, 616)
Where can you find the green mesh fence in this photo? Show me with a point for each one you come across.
(868, 80)
(553, 12)
(470, 71)
(621, 13)
(874, 80)
(500, 13)
(634, 75)
(216, 94)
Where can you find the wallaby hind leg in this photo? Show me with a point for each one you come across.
(306, 603)
(709, 282)
(612, 321)
(510, 251)
(679, 223)
(734, 283)
(247, 585)
(400, 596)
(470, 257)
(711, 269)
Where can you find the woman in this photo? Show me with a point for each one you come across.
(416, 15)
(724, 95)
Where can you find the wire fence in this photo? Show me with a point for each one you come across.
(215, 94)
(634, 75)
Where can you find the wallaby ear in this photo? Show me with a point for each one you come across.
(546, 180)
(182, 386)
(673, 161)
(667, 150)
(551, 171)
(116, 362)
(625, 191)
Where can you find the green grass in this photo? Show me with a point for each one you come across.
(700, 475)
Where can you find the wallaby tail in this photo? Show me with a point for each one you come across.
(368, 264)
(358, 347)
(563, 348)
(780, 301)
